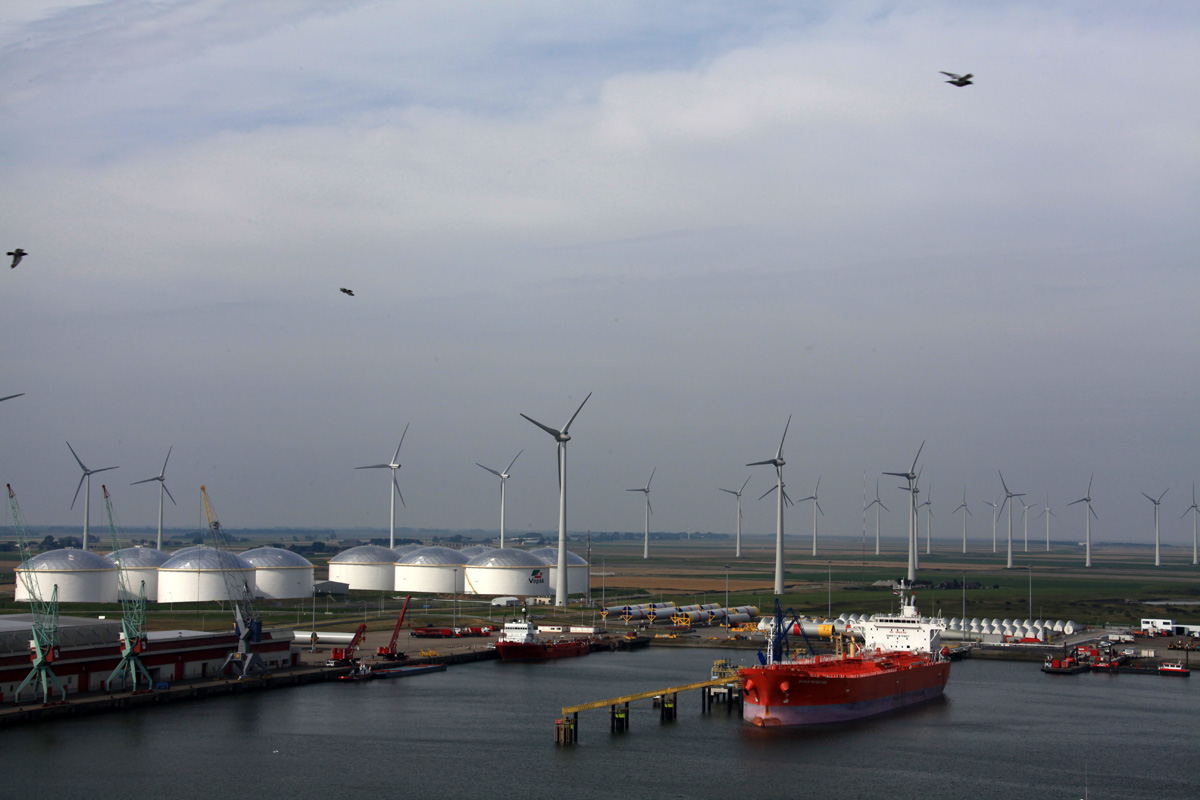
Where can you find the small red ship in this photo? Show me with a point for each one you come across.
(900, 663)
(519, 641)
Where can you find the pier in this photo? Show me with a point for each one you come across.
(723, 687)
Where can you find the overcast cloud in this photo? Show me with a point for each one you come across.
(710, 215)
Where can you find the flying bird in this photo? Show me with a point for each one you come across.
(17, 255)
(346, 291)
(958, 80)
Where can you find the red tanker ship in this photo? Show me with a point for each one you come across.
(900, 663)
(519, 641)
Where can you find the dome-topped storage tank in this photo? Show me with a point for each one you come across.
(431, 569)
(140, 565)
(475, 549)
(280, 574)
(80, 575)
(367, 566)
(577, 569)
(508, 572)
(405, 549)
(197, 575)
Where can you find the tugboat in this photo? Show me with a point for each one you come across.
(1173, 668)
(519, 641)
(901, 662)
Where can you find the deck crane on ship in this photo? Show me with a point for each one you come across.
(246, 621)
(133, 614)
(44, 645)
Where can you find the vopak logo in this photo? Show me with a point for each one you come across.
(536, 577)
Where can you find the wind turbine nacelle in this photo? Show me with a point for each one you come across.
(563, 437)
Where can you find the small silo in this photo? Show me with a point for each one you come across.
(368, 566)
(508, 572)
(197, 575)
(577, 569)
(280, 574)
(80, 575)
(431, 569)
(140, 565)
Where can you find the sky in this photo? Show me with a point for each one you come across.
(712, 216)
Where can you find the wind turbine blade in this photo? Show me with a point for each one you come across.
(163, 471)
(376, 466)
(1089, 493)
(652, 471)
(168, 491)
(567, 427)
(885, 508)
(897, 474)
(546, 428)
(648, 504)
(787, 499)
(135, 483)
(634, 490)
(918, 456)
(77, 461)
(767, 492)
(1080, 500)
(1094, 514)
(103, 469)
(397, 485)
(1002, 483)
(1164, 494)
(817, 488)
(730, 491)
(397, 455)
(818, 505)
(11, 396)
(77, 488)
(1148, 497)
(489, 469)
(779, 452)
(518, 455)
(739, 491)
(760, 463)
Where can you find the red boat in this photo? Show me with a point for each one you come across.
(900, 663)
(1173, 668)
(520, 641)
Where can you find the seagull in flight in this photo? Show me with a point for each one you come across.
(346, 291)
(17, 255)
(958, 80)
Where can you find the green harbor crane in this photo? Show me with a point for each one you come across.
(133, 617)
(247, 624)
(44, 647)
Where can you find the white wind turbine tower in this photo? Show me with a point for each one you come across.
(928, 506)
(1047, 513)
(162, 487)
(1157, 558)
(816, 508)
(562, 437)
(1025, 522)
(963, 507)
(1008, 496)
(878, 504)
(85, 482)
(649, 511)
(994, 506)
(1087, 518)
(911, 476)
(1194, 510)
(778, 463)
(738, 495)
(503, 476)
(394, 489)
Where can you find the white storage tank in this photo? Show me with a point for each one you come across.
(475, 550)
(431, 569)
(140, 565)
(280, 574)
(405, 549)
(81, 576)
(577, 569)
(369, 566)
(197, 575)
(508, 571)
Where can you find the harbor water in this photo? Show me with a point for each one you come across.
(1003, 730)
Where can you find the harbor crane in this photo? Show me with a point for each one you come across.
(45, 643)
(133, 615)
(246, 622)
(389, 653)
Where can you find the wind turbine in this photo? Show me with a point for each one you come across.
(816, 508)
(649, 511)
(778, 463)
(928, 506)
(1195, 511)
(11, 396)
(994, 515)
(393, 465)
(963, 507)
(879, 504)
(561, 437)
(1008, 496)
(738, 495)
(87, 491)
(1025, 522)
(1157, 558)
(162, 487)
(911, 476)
(1047, 513)
(1087, 519)
(503, 476)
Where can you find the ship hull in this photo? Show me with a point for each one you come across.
(540, 651)
(838, 691)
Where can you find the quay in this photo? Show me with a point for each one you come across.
(723, 687)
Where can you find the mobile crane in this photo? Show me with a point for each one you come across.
(389, 653)
(344, 656)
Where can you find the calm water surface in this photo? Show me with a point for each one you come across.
(486, 730)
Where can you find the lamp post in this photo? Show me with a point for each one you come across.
(1030, 568)
(454, 602)
(726, 588)
(829, 612)
(313, 635)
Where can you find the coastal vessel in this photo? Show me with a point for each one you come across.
(520, 641)
(900, 662)
(1173, 668)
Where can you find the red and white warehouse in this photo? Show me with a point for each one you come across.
(90, 650)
